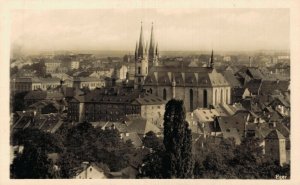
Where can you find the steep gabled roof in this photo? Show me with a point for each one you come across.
(254, 86)
(275, 134)
(142, 126)
(231, 79)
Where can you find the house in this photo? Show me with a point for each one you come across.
(240, 125)
(133, 137)
(46, 107)
(120, 72)
(239, 94)
(142, 126)
(275, 147)
(254, 86)
(90, 171)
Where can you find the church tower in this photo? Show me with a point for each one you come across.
(141, 62)
(153, 50)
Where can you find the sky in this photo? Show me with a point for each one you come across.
(175, 29)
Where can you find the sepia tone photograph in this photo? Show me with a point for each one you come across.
(150, 93)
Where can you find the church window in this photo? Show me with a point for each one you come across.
(221, 95)
(227, 101)
(205, 98)
(216, 97)
(165, 94)
(191, 100)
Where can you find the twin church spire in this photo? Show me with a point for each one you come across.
(143, 50)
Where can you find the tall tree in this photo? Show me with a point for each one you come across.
(178, 142)
(33, 163)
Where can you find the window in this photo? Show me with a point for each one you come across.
(226, 98)
(221, 95)
(205, 98)
(91, 169)
(216, 97)
(139, 70)
(150, 90)
(165, 94)
(191, 100)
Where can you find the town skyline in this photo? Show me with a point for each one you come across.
(186, 29)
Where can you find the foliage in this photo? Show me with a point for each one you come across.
(153, 165)
(152, 141)
(177, 141)
(39, 68)
(225, 160)
(174, 160)
(17, 101)
(86, 143)
(38, 139)
(14, 70)
(32, 164)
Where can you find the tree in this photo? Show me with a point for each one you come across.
(14, 70)
(152, 166)
(17, 101)
(152, 141)
(178, 161)
(86, 143)
(46, 141)
(32, 164)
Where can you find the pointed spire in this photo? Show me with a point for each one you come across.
(156, 50)
(141, 43)
(146, 48)
(152, 42)
(211, 63)
(136, 51)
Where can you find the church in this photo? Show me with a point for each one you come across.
(196, 86)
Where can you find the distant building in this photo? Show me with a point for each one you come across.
(31, 84)
(52, 66)
(101, 72)
(74, 65)
(121, 72)
(88, 82)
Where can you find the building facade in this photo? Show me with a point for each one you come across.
(102, 105)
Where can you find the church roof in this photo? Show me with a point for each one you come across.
(185, 76)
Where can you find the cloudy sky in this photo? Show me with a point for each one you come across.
(175, 29)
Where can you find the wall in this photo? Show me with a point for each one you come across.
(91, 173)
